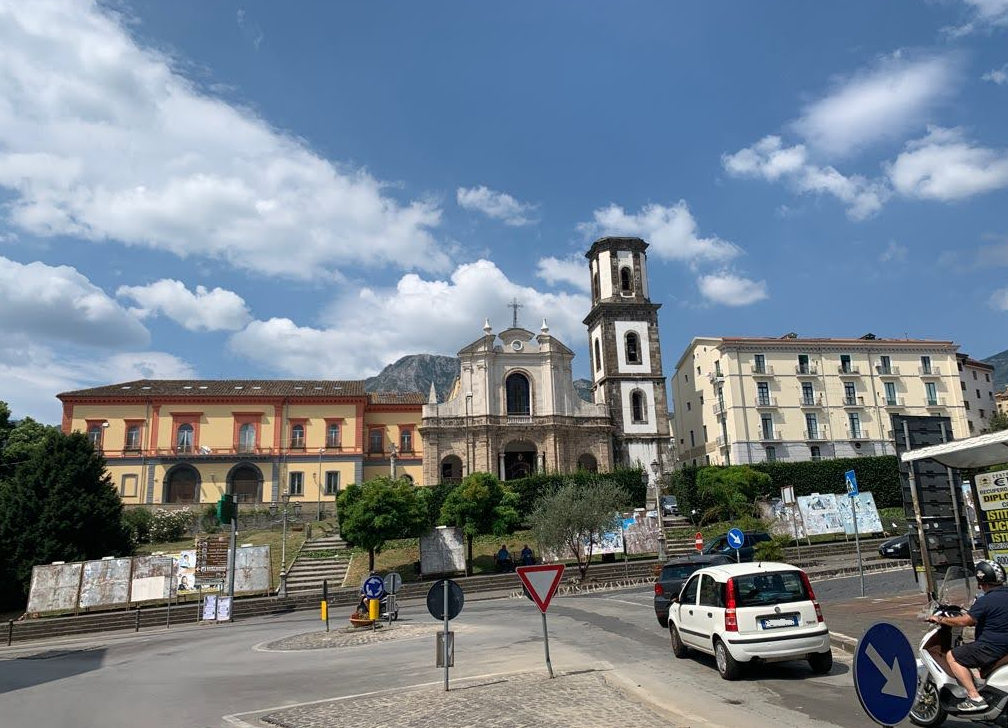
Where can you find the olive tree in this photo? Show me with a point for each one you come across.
(572, 518)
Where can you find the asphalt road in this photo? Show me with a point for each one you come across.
(195, 676)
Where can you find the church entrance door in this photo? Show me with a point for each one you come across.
(519, 459)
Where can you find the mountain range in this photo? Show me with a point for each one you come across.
(1000, 364)
(415, 372)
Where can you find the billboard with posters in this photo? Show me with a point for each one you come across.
(820, 514)
(105, 582)
(640, 532)
(185, 572)
(54, 587)
(868, 520)
(992, 499)
(152, 578)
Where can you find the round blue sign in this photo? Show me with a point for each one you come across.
(736, 538)
(373, 587)
(885, 674)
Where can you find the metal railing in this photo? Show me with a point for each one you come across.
(808, 370)
(766, 401)
(817, 434)
(856, 401)
(929, 371)
(859, 433)
(849, 369)
(815, 400)
(894, 402)
(936, 402)
(714, 376)
(770, 435)
(889, 371)
(765, 370)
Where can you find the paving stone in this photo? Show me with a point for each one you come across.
(523, 700)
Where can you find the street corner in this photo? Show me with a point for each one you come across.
(350, 637)
(514, 700)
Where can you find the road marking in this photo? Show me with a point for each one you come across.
(624, 601)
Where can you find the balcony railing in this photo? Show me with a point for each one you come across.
(887, 371)
(719, 409)
(297, 443)
(761, 370)
(858, 433)
(894, 402)
(856, 401)
(850, 369)
(721, 442)
(817, 434)
(936, 402)
(766, 401)
(333, 445)
(715, 376)
(770, 435)
(815, 400)
(929, 371)
(519, 419)
(806, 370)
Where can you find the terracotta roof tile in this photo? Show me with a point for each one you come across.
(396, 398)
(196, 388)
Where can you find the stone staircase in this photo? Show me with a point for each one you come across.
(325, 557)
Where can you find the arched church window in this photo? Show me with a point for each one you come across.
(633, 355)
(595, 286)
(598, 355)
(638, 407)
(518, 391)
(626, 280)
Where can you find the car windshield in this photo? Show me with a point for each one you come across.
(678, 571)
(754, 590)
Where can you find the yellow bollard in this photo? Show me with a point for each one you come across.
(373, 606)
(325, 610)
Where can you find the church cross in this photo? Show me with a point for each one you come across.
(514, 305)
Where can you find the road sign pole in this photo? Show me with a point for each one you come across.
(232, 551)
(446, 635)
(857, 542)
(549, 665)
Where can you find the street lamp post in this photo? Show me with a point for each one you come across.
(283, 546)
(661, 516)
(392, 456)
(320, 453)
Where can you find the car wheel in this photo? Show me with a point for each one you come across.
(927, 709)
(729, 668)
(821, 662)
(678, 648)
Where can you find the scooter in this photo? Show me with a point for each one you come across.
(938, 692)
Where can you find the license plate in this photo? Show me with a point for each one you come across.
(788, 620)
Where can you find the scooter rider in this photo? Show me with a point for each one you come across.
(990, 617)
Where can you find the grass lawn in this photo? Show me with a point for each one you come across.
(263, 537)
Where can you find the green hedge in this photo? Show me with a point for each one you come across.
(878, 475)
(530, 489)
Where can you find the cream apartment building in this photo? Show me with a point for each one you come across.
(976, 379)
(748, 400)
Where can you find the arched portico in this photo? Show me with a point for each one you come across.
(245, 483)
(181, 484)
(520, 459)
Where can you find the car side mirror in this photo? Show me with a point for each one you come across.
(675, 600)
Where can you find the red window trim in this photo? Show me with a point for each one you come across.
(88, 424)
(372, 430)
(130, 423)
(291, 424)
(247, 418)
(186, 418)
(333, 421)
(411, 428)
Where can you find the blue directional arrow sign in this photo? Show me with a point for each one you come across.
(735, 538)
(851, 479)
(885, 674)
(373, 587)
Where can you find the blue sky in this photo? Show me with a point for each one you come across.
(315, 189)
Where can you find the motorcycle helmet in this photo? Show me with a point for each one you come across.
(989, 572)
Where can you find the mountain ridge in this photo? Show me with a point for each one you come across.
(1000, 363)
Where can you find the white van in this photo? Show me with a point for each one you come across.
(742, 613)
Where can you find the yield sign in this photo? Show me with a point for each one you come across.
(542, 582)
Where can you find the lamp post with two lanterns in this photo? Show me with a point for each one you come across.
(655, 483)
(285, 497)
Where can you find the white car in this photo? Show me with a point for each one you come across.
(741, 613)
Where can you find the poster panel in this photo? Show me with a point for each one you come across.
(610, 542)
(105, 582)
(152, 578)
(640, 532)
(185, 572)
(442, 551)
(210, 608)
(223, 609)
(54, 587)
(868, 520)
(992, 497)
(784, 518)
(820, 514)
(252, 569)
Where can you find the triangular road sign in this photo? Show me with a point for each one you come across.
(542, 582)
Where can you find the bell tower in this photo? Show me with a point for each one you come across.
(625, 353)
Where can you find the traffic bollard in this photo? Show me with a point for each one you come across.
(137, 620)
(10, 631)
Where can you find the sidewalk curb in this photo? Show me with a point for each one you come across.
(843, 643)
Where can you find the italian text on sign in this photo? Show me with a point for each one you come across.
(992, 497)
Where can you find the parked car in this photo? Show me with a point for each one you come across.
(720, 545)
(746, 613)
(672, 577)
(670, 506)
(896, 548)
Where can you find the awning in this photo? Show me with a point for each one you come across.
(981, 451)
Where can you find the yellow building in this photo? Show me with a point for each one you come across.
(189, 441)
(747, 400)
(1001, 401)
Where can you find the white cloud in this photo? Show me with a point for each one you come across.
(945, 166)
(997, 75)
(250, 29)
(894, 253)
(732, 290)
(59, 304)
(202, 310)
(103, 139)
(496, 205)
(34, 374)
(769, 159)
(671, 231)
(999, 299)
(983, 14)
(882, 103)
(572, 270)
(362, 333)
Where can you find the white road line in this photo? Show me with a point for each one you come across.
(624, 601)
